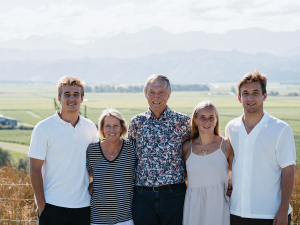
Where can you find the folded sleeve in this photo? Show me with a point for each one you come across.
(286, 150)
(227, 131)
(186, 128)
(131, 131)
(38, 144)
(95, 134)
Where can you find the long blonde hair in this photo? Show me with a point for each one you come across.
(194, 128)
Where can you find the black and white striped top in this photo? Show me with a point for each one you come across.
(112, 184)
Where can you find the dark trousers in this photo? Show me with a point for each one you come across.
(158, 207)
(236, 220)
(55, 215)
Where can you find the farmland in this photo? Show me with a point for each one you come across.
(31, 103)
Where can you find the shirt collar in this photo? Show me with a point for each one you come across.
(264, 120)
(262, 123)
(164, 115)
(57, 117)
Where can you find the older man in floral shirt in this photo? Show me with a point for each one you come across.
(160, 175)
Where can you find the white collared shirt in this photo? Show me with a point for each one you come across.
(63, 149)
(256, 169)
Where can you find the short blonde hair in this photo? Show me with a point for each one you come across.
(157, 77)
(194, 128)
(115, 113)
(255, 77)
(68, 80)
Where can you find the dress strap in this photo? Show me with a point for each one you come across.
(224, 146)
(221, 143)
(191, 146)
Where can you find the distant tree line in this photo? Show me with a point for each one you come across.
(120, 89)
(273, 93)
(190, 87)
(139, 88)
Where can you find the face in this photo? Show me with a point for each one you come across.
(157, 96)
(112, 128)
(206, 120)
(252, 98)
(70, 98)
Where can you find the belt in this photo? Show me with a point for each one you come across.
(162, 188)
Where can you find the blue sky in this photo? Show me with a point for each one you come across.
(84, 21)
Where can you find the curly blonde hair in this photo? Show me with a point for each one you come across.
(68, 80)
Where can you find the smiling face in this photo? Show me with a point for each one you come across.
(157, 95)
(112, 128)
(206, 120)
(70, 99)
(252, 98)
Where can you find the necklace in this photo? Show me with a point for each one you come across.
(109, 150)
(205, 152)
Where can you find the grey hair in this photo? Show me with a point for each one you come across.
(157, 77)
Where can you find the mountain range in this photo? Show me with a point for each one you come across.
(182, 67)
(192, 57)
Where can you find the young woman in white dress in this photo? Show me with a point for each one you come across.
(208, 157)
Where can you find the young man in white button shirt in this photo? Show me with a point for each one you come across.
(264, 162)
(58, 159)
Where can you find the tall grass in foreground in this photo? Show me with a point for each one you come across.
(16, 210)
(15, 203)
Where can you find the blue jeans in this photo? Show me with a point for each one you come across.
(158, 207)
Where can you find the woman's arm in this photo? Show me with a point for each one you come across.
(90, 188)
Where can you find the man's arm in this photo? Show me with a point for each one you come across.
(229, 155)
(37, 182)
(287, 185)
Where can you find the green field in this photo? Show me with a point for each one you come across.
(33, 103)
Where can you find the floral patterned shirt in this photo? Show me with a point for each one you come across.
(159, 147)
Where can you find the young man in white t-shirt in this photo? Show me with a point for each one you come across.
(264, 162)
(58, 159)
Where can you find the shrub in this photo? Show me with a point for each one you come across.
(5, 157)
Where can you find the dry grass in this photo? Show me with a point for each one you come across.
(13, 210)
(17, 210)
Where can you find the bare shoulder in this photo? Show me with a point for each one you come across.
(185, 147)
(227, 140)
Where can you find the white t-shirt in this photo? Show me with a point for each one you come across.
(63, 147)
(256, 168)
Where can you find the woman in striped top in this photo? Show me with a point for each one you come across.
(112, 162)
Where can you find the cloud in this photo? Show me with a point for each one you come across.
(81, 22)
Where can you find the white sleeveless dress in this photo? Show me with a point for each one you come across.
(206, 202)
